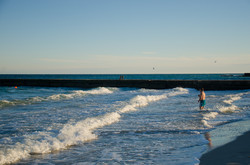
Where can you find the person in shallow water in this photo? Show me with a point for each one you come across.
(202, 99)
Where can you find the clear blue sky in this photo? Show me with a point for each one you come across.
(124, 36)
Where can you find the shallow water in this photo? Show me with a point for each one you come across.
(113, 125)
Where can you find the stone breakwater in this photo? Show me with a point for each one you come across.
(148, 84)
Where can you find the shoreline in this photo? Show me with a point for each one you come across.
(236, 152)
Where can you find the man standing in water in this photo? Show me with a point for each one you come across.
(202, 97)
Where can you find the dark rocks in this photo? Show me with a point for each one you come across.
(149, 84)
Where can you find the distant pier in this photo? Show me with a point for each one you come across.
(246, 75)
(148, 84)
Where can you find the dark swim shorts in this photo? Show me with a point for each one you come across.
(202, 103)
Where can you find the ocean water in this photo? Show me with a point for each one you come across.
(233, 76)
(116, 125)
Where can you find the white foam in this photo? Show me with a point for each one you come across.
(178, 91)
(228, 109)
(83, 131)
(205, 123)
(141, 101)
(232, 98)
(4, 103)
(70, 134)
(35, 99)
(208, 116)
(57, 97)
(100, 90)
(79, 93)
(78, 133)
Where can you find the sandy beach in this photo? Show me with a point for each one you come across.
(236, 152)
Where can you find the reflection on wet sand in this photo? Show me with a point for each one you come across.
(207, 136)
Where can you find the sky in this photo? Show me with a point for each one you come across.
(124, 36)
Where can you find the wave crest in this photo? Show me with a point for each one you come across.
(57, 97)
(73, 134)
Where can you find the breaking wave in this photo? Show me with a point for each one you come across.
(141, 101)
(57, 97)
(78, 133)
(207, 117)
(226, 107)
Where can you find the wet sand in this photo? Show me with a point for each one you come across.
(236, 152)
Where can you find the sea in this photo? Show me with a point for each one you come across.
(40, 125)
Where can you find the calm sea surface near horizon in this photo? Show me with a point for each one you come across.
(129, 76)
(116, 125)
